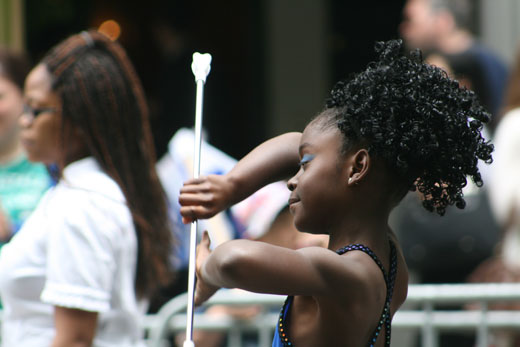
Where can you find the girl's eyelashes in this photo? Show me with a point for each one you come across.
(306, 159)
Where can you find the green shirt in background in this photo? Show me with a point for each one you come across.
(22, 184)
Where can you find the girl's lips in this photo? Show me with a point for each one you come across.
(293, 200)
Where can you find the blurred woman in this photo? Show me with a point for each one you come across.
(99, 242)
(22, 183)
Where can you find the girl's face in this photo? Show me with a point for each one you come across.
(11, 101)
(317, 198)
(41, 119)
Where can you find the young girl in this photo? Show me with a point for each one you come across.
(98, 242)
(399, 125)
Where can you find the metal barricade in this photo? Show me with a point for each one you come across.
(430, 321)
(172, 318)
(423, 316)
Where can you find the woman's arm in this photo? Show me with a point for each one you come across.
(271, 161)
(74, 328)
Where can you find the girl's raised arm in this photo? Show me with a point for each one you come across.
(271, 161)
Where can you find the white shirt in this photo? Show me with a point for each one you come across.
(505, 180)
(77, 250)
(504, 185)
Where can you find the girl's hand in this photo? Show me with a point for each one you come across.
(204, 197)
(203, 290)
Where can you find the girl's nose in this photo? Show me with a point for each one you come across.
(291, 184)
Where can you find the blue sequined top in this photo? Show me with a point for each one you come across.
(281, 335)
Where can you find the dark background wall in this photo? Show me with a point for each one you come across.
(161, 35)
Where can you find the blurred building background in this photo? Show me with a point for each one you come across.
(273, 60)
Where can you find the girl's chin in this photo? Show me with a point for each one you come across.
(34, 158)
(301, 227)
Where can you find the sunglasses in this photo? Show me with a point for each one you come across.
(35, 112)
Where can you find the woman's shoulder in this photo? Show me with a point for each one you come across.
(69, 198)
(85, 176)
(88, 200)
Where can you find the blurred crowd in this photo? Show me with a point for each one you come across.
(480, 243)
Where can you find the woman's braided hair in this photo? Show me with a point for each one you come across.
(422, 124)
(102, 96)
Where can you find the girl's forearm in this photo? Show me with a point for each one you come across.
(273, 160)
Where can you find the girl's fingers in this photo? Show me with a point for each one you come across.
(186, 199)
(205, 239)
(191, 213)
(197, 199)
(195, 185)
(195, 181)
(192, 188)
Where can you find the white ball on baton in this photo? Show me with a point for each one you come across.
(201, 66)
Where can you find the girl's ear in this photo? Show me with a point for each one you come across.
(360, 164)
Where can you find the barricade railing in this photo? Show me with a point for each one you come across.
(421, 310)
(171, 318)
(420, 313)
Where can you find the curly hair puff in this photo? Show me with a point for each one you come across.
(418, 121)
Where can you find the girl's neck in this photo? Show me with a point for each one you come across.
(10, 151)
(370, 233)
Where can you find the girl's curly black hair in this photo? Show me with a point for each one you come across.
(418, 121)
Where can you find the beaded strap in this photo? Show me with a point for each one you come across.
(390, 282)
(385, 315)
(283, 323)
